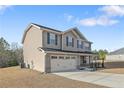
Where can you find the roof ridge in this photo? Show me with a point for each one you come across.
(118, 51)
(46, 27)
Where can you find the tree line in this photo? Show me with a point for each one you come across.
(10, 54)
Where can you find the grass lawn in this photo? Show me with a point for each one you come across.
(25, 78)
(113, 67)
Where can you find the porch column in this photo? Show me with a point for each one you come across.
(89, 59)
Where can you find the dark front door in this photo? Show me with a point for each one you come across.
(82, 60)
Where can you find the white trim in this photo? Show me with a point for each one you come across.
(73, 31)
(27, 29)
(81, 33)
(51, 52)
(75, 34)
(35, 26)
(48, 30)
(31, 24)
(40, 49)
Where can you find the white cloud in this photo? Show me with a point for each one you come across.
(106, 18)
(102, 21)
(87, 22)
(3, 8)
(69, 17)
(113, 10)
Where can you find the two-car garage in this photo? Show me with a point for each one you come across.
(63, 63)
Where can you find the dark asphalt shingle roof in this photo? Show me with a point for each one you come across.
(59, 50)
(46, 27)
(117, 52)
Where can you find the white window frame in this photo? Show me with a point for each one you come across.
(80, 44)
(87, 45)
(52, 38)
(70, 41)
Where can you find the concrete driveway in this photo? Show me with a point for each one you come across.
(100, 78)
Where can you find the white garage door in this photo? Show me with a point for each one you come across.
(63, 63)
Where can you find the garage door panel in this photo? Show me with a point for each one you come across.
(63, 64)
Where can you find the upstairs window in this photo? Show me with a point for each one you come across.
(66, 40)
(69, 41)
(79, 44)
(48, 38)
(52, 38)
(87, 45)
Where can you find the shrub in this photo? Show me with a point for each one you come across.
(12, 63)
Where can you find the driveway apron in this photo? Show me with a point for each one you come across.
(99, 78)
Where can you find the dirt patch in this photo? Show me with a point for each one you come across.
(25, 78)
(113, 67)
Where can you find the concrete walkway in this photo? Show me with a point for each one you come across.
(99, 78)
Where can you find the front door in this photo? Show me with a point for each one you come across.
(83, 61)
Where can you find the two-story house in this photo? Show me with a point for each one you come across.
(49, 50)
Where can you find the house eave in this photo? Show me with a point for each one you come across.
(58, 52)
(38, 27)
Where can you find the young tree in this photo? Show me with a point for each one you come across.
(102, 56)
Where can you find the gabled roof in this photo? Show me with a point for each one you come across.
(78, 33)
(39, 27)
(46, 27)
(75, 29)
(117, 52)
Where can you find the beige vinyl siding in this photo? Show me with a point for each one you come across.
(46, 45)
(47, 64)
(65, 47)
(70, 48)
(33, 40)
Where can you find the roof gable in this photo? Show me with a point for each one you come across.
(38, 27)
(73, 30)
(80, 34)
(77, 32)
(117, 52)
(46, 27)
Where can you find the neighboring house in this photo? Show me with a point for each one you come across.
(117, 55)
(49, 50)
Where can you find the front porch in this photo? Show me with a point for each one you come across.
(88, 62)
(85, 61)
